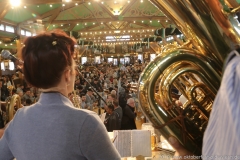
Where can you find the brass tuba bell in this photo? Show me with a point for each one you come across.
(194, 69)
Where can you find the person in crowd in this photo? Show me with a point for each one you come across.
(111, 121)
(113, 92)
(19, 88)
(90, 97)
(27, 95)
(118, 111)
(96, 84)
(53, 128)
(84, 105)
(128, 119)
(4, 89)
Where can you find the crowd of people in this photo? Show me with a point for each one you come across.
(107, 88)
(102, 88)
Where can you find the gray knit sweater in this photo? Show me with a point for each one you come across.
(52, 129)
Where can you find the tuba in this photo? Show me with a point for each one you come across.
(194, 68)
(13, 103)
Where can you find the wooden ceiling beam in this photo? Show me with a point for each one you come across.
(72, 25)
(109, 26)
(54, 16)
(5, 8)
(106, 20)
(122, 24)
(107, 11)
(50, 13)
(103, 35)
(122, 30)
(90, 27)
(38, 2)
(141, 24)
(127, 25)
(128, 7)
(164, 26)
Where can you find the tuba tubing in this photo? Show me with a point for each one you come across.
(157, 112)
(13, 103)
(195, 70)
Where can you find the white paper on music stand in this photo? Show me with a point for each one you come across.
(141, 143)
(132, 143)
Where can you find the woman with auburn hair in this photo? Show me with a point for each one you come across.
(53, 128)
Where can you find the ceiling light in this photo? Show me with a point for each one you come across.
(15, 3)
(66, 0)
(63, 5)
(76, 4)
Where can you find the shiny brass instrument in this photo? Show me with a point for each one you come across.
(76, 100)
(194, 68)
(13, 103)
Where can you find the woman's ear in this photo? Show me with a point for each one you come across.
(68, 76)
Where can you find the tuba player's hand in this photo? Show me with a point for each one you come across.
(181, 152)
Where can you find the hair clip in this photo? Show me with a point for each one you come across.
(54, 43)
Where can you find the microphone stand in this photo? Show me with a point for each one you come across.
(92, 89)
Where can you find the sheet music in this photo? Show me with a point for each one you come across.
(141, 143)
(123, 142)
(132, 143)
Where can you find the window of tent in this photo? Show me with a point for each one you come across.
(1, 27)
(115, 61)
(22, 32)
(152, 57)
(127, 59)
(7, 65)
(10, 29)
(140, 56)
(97, 59)
(122, 61)
(84, 60)
(110, 60)
(28, 33)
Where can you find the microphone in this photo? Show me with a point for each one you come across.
(7, 55)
